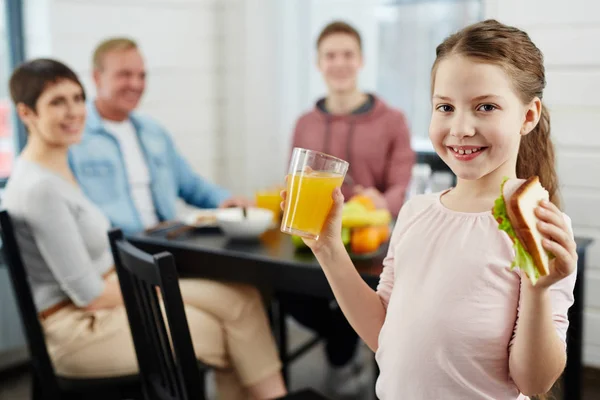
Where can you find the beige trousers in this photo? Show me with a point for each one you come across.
(228, 326)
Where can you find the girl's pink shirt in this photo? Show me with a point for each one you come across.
(452, 306)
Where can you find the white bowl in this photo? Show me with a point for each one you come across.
(234, 225)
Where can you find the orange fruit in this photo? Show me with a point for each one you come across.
(384, 233)
(365, 240)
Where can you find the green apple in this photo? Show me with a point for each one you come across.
(298, 242)
(346, 236)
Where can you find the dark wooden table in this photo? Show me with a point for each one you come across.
(274, 264)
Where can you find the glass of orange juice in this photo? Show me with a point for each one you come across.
(270, 199)
(311, 179)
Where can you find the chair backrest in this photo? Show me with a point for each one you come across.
(40, 359)
(167, 372)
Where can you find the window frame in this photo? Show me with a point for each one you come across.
(16, 52)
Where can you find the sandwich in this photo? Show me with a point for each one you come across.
(515, 212)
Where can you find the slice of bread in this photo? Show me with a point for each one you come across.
(521, 198)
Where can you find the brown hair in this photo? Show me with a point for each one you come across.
(112, 44)
(29, 80)
(339, 27)
(512, 49)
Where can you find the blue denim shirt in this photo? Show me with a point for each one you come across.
(98, 165)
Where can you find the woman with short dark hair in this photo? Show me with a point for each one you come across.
(65, 248)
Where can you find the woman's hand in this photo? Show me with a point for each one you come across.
(110, 298)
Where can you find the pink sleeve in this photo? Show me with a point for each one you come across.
(561, 297)
(297, 132)
(400, 163)
(386, 279)
(295, 138)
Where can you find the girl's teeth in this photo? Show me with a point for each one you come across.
(463, 152)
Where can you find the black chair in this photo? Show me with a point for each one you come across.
(46, 384)
(167, 373)
(169, 369)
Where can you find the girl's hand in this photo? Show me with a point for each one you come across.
(558, 240)
(331, 234)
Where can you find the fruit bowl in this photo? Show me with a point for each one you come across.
(364, 228)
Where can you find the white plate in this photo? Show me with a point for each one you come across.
(201, 218)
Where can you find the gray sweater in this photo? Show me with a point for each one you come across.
(62, 236)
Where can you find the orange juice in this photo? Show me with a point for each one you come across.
(308, 202)
(270, 200)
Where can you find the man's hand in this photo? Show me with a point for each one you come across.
(237, 202)
(375, 195)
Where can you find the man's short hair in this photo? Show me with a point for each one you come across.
(29, 80)
(339, 27)
(112, 44)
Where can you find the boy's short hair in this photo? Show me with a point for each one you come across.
(339, 27)
(29, 80)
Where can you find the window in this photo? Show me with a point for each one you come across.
(6, 128)
(11, 53)
(409, 32)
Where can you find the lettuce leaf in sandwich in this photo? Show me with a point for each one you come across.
(523, 259)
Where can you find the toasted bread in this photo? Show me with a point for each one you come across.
(521, 198)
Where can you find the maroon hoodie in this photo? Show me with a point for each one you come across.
(374, 139)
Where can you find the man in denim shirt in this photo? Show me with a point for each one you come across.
(126, 163)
